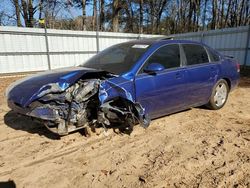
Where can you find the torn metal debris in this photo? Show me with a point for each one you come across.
(65, 107)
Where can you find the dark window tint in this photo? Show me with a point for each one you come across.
(195, 54)
(213, 55)
(168, 56)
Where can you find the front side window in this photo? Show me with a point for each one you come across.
(195, 54)
(168, 56)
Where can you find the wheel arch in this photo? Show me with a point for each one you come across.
(228, 82)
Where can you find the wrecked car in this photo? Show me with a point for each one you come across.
(127, 84)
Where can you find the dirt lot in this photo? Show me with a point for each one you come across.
(194, 148)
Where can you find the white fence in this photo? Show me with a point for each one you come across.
(25, 49)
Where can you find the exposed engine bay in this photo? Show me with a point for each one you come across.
(80, 106)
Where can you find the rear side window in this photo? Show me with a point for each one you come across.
(168, 56)
(195, 54)
(213, 55)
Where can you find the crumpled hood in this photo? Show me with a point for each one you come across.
(26, 90)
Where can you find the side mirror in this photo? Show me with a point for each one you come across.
(153, 68)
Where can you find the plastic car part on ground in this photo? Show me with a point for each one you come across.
(84, 104)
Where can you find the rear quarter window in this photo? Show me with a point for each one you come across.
(213, 55)
(195, 54)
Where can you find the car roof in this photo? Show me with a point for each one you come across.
(162, 40)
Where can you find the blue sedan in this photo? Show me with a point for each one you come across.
(126, 84)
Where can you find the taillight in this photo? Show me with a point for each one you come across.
(238, 67)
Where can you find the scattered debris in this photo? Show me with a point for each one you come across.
(142, 179)
(105, 172)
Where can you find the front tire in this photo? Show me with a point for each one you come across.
(219, 95)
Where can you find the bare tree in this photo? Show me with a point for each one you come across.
(115, 18)
(17, 12)
(28, 12)
(241, 11)
(41, 4)
(127, 7)
(227, 13)
(82, 5)
(204, 15)
(141, 16)
(221, 13)
(1, 17)
(83, 14)
(94, 15)
(160, 8)
(102, 14)
(214, 14)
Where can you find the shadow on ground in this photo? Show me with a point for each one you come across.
(8, 184)
(20, 122)
(245, 82)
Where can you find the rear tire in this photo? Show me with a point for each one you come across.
(219, 95)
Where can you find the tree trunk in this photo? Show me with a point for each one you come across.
(233, 15)
(152, 15)
(83, 15)
(160, 10)
(227, 14)
(141, 17)
(198, 5)
(127, 6)
(17, 11)
(204, 15)
(102, 15)
(183, 24)
(25, 13)
(214, 15)
(241, 12)
(40, 11)
(94, 15)
(247, 13)
(115, 18)
(180, 18)
(30, 13)
(132, 17)
(147, 21)
(222, 14)
(190, 14)
(194, 17)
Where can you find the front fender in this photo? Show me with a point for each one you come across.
(116, 87)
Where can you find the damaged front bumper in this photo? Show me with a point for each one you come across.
(42, 112)
(83, 104)
(45, 114)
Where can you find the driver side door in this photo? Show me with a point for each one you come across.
(162, 92)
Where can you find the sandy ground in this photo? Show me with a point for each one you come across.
(194, 148)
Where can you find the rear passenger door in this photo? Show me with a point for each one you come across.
(201, 74)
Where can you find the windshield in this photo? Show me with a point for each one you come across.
(117, 59)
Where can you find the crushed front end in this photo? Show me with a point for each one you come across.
(66, 110)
